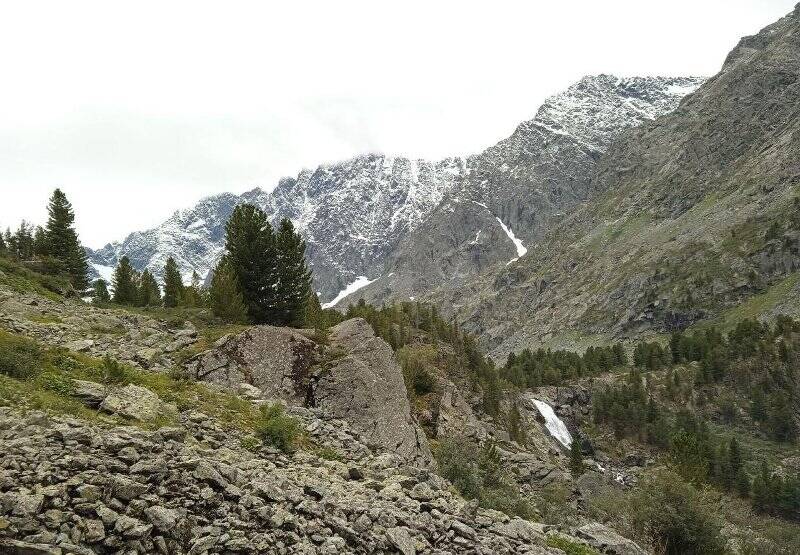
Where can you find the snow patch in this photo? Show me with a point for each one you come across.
(553, 423)
(106, 272)
(361, 281)
(521, 250)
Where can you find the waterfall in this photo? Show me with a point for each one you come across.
(553, 423)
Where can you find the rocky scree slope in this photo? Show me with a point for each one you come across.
(689, 216)
(176, 480)
(375, 215)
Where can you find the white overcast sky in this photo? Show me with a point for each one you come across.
(136, 109)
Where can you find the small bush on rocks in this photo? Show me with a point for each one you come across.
(570, 547)
(277, 429)
(20, 358)
(478, 473)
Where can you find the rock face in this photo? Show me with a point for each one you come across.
(356, 379)
(275, 360)
(683, 203)
(365, 216)
(365, 387)
(70, 487)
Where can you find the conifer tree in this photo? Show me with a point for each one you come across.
(62, 242)
(149, 293)
(224, 296)
(294, 277)
(3, 246)
(124, 281)
(22, 241)
(193, 294)
(251, 252)
(173, 284)
(39, 242)
(576, 465)
(101, 295)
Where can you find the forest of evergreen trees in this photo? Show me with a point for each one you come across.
(55, 248)
(262, 278)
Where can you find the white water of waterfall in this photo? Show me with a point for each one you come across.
(553, 423)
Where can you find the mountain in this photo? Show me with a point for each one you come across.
(692, 217)
(365, 217)
(517, 190)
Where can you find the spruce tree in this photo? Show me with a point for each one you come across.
(576, 465)
(124, 282)
(23, 241)
(225, 298)
(149, 293)
(39, 242)
(173, 284)
(101, 295)
(61, 239)
(251, 252)
(193, 294)
(294, 277)
(3, 246)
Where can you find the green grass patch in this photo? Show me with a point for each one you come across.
(570, 547)
(17, 277)
(755, 306)
(39, 377)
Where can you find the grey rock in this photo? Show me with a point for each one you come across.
(90, 393)
(402, 540)
(133, 401)
(162, 518)
(365, 388)
(607, 541)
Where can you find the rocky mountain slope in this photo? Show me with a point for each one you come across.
(375, 215)
(157, 463)
(690, 215)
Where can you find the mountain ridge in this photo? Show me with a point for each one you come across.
(394, 195)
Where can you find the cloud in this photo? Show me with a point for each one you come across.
(137, 110)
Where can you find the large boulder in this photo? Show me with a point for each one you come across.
(354, 378)
(364, 385)
(275, 360)
(138, 403)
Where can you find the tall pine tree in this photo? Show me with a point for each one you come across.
(149, 293)
(294, 277)
(124, 281)
(61, 240)
(101, 295)
(173, 284)
(251, 252)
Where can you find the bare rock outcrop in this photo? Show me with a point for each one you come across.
(365, 387)
(275, 360)
(355, 378)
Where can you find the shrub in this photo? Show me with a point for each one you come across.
(480, 474)
(570, 547)
(675, 516)
(20, 358)
(55, 382)
(250, 443)
(112, 372)
(275, 428)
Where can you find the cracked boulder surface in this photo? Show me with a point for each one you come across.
(355, 378)
(275, 360)
(365, 387)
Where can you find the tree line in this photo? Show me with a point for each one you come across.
(262, 277)
(56, 245)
